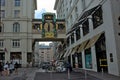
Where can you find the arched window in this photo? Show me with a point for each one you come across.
(1, 27)
(16, 27)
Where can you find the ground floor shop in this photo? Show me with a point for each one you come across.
(96, 57)
(23, 59)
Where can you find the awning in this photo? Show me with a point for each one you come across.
(74, 50)
(61, 55)
(66, 53)
(82, 46)
(93, 41)
(69, 52)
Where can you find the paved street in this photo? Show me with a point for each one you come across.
(62, 76)
(40, 74)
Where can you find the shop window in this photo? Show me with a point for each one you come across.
(88, 59)
(85, 27)
(97, 18)
(78, 34)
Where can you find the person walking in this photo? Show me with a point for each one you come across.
(6, 69)
(11, 67)
(69, 67)
(16, 67)
(1, 68)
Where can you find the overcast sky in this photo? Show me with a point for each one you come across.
(44, 6)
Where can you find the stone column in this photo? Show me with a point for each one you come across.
(90, 23)
(74, 36)
(83, 59)
(81, 31)
(70, 41)
(71, 60)
(94, 62)
(7, 56)
(24, 59)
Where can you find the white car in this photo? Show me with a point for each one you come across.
(60, 69)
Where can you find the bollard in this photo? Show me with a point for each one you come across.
(85, 75)
(51, 74)
(102, 72)
(69, 74)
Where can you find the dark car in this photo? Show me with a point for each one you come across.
(45, 65)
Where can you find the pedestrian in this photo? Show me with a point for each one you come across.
(11, 67)
(68, 66)
(16, 67)
(6, 69)
(1, 68)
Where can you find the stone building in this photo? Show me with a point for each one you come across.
(16, 30)
(93, 33)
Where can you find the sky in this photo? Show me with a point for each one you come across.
(42, 7)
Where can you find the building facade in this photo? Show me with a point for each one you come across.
(16, 30)
(44, 53)
(93, 33)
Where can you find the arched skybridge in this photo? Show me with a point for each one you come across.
(48, 28)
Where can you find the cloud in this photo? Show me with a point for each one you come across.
(38, 13)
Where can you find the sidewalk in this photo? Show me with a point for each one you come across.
(23, 74)
(102, 76)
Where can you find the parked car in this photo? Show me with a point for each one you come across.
(45, 65)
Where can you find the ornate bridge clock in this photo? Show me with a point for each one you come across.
(49, 25)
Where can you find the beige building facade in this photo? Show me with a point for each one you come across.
(16, 30)
(43, 53)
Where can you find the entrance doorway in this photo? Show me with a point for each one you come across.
(101, 54)
(2, 57)
(16, 57)
(79, 56)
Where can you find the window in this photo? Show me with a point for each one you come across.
(70, 2)
(68, 41)
(1, 43)
(17, 13)
(85, 27)
(71, 20)
(78, 34)
(16, 43)
(1, 27)
(16, 27)
(2, 2)
(72, 38)
(97, 18)
(17, 2)
(76, 12)
(2, 13)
